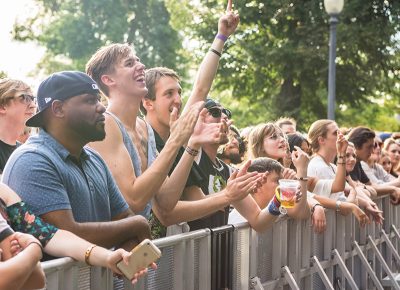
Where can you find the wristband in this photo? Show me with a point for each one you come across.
(216, 52)
(340, 163)
(191, 151)
(222, 37)
(341, 156)
(87, 254)
(273, 207)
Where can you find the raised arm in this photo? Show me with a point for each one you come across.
(300, 160)
(339, 182)
(203, 133)
(227, 25)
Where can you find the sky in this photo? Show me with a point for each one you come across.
(17, 59)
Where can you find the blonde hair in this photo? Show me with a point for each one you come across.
(318, 129)
(104, 61)
(388, 142)
(9, 88)
(257, 136)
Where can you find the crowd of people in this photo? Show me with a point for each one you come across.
(92, 177)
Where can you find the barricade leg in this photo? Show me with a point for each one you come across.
(367, 266)
(385, 267)
(317, 265)
(344, 270)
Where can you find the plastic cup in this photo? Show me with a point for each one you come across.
(287, 192)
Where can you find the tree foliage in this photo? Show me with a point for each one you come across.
(277, 63)
(73, 30)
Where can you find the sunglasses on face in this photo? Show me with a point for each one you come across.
(217, 112)
(27, 99)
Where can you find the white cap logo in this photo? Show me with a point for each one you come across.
(47, 100)
(95, 87)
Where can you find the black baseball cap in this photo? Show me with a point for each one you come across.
(61, 86)
(210, 103)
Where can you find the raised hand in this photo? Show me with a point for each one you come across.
(341, 144)
(208, 133)
(182, 127)
(241, 183)
(228, 22)
(300, 159)
(288, 173)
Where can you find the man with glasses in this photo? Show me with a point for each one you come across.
(17, 104)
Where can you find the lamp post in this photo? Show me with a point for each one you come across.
(333, 8)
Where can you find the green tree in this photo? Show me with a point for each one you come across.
(73, 30)
(277, 63)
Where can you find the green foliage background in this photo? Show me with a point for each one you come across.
(276, 63)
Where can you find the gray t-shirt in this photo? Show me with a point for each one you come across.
(48, 178)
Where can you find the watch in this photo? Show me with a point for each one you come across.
(302, 178)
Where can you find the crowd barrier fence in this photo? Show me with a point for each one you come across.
(287, 256)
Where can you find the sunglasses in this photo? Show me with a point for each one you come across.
(27, 99)
(217, 112)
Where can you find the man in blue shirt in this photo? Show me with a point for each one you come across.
(67, 184)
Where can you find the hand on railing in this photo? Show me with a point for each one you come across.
(374, 212)
(395, 197)
(318, 219)
(359, 214)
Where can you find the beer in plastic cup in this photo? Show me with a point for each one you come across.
(288, 188)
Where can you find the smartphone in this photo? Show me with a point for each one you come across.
(142, 256)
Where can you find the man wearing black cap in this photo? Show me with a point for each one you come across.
(67, 184)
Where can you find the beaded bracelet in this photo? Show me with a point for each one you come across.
(87, 254)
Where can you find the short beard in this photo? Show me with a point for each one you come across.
(235, 158)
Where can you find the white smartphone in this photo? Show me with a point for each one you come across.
(142, 256)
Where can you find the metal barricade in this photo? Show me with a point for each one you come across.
(287, 256)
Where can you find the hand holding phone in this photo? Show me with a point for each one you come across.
(143, 255)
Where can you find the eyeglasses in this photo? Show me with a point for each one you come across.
(275, 136)
(217, 112)
(27, 99)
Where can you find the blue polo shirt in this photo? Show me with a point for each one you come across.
(48, 178)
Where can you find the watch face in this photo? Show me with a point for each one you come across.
(282, 210)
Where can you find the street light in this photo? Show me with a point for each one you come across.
(333, 8)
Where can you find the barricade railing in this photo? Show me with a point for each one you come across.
(288, 255)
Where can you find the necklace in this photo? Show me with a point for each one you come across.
(327, 163)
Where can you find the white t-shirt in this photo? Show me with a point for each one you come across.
(326, 173)
(376, 174)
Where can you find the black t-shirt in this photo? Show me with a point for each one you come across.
(196, 176)
(5, 152)
(358, 174)
(217, 176)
